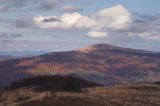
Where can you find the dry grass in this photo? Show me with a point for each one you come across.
(135, 95)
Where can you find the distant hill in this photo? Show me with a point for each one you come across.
(100, 63)
(5, 57)
(22, 53)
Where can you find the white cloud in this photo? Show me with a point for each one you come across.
(97, 34)
(86, 22)
(131, 34)
(70, 20)
(149, 35)
(40, 22)
(63, 22)
(114, 18)
(145, 35)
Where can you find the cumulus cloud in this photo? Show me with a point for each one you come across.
(97, 34)
(114, 18)
(65, 21)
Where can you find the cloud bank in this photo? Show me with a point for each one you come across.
(101, 23)
(116, 18)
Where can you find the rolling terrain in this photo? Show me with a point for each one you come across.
(126, 95)
(101, 63)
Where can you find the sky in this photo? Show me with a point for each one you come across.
(60, 25)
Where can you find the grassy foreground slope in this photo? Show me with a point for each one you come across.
(126, 95)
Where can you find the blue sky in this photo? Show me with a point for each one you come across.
(51, 25)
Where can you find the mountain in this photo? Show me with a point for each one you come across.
(100, 63)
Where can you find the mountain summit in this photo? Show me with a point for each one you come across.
(97, 47)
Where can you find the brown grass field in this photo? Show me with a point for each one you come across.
(126, 95)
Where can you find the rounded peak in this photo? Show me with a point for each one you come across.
(96, 47)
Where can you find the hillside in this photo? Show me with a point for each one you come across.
(101, 63)
(128, 95)
(53, 82)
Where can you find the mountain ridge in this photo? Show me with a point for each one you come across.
(100, 63)
(108, 46)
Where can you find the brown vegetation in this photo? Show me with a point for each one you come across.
(133, 95)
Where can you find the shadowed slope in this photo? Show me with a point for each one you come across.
(54, 83)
